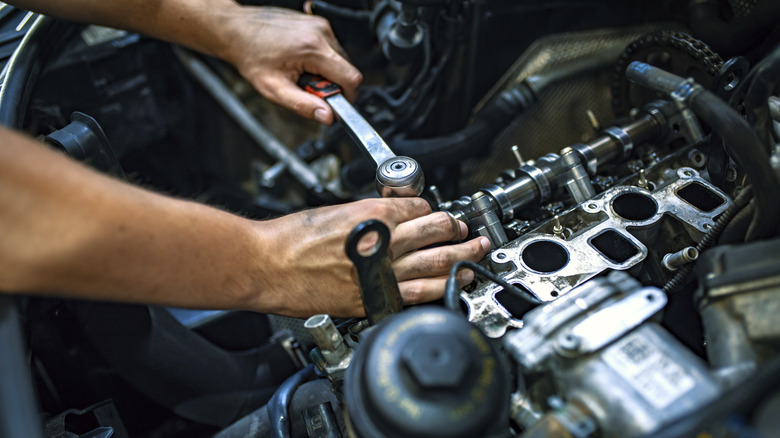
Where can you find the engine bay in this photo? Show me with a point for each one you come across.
(621, 157)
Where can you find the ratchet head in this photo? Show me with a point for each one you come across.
(399, 177)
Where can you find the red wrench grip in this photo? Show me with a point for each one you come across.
(318, 86)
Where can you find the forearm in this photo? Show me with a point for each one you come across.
(201, 25)
(70, 231)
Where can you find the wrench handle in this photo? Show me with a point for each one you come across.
(378, 285)
(318, 86)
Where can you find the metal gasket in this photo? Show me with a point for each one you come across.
(584, 260)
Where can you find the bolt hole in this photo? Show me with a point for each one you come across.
(650, 297)
(554, 294)
(501, 256)
(731, 82)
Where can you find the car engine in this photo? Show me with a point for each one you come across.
(621, 157)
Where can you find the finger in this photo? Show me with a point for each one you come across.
(423, 290)
(333, 65)
(424, 231)
(286, 92)
(438, 261)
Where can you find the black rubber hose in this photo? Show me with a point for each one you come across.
(765, 77)
(17, 399)
(487, 124)
(711, 237)
(330, 10)
(735, 231)
(44, 39)
(278, 406)
(746, 149)
(452, 286)
(742, 143)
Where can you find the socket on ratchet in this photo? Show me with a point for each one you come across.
(395, 176)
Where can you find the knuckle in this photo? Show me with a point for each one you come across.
(441, 261)
(414, 292)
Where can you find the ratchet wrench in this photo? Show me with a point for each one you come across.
(395, 176)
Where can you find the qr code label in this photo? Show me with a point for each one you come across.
(654, 375)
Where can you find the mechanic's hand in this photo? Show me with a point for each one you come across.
(312, 274)
(272, 47)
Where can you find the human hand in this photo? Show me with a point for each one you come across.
(271, 47)
(309, 271)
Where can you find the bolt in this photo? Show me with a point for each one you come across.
(569, 342)
(594, 122)
(518, 157)
(558, 228)
(731, 174)
(642, 183)
(436, 360)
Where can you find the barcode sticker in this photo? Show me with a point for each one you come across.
(648, 370)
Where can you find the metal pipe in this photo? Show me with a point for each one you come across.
(233, 106)
(327, 338)
(674, 261)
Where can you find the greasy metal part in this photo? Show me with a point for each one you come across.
(549, 426)
(360, 130)
(629, 378)
(399, 177)
(588, 156)
(264, 138)
(625, 143)
(608, 324)
(642, 183)
(774, 107)
(638, 384)
(395, 176)
(549, 266)
(327, 338)
(674, 261)
(521, 192)
(504, 203)
(536, 180)
(538, 342)
(574, 177)
(485, 221)
(378, 286)
(518, 157)
(437, 198)
(577, 420)
(558, 228)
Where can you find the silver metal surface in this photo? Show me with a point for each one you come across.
(608, 324)
(333, 356)
(574, 177)
(360, 130)
(503, 201)
(580, 258)
(674, 261)
(399, 177)
(638, 384)
(609, 362)
(622, 137)
(538, 177)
